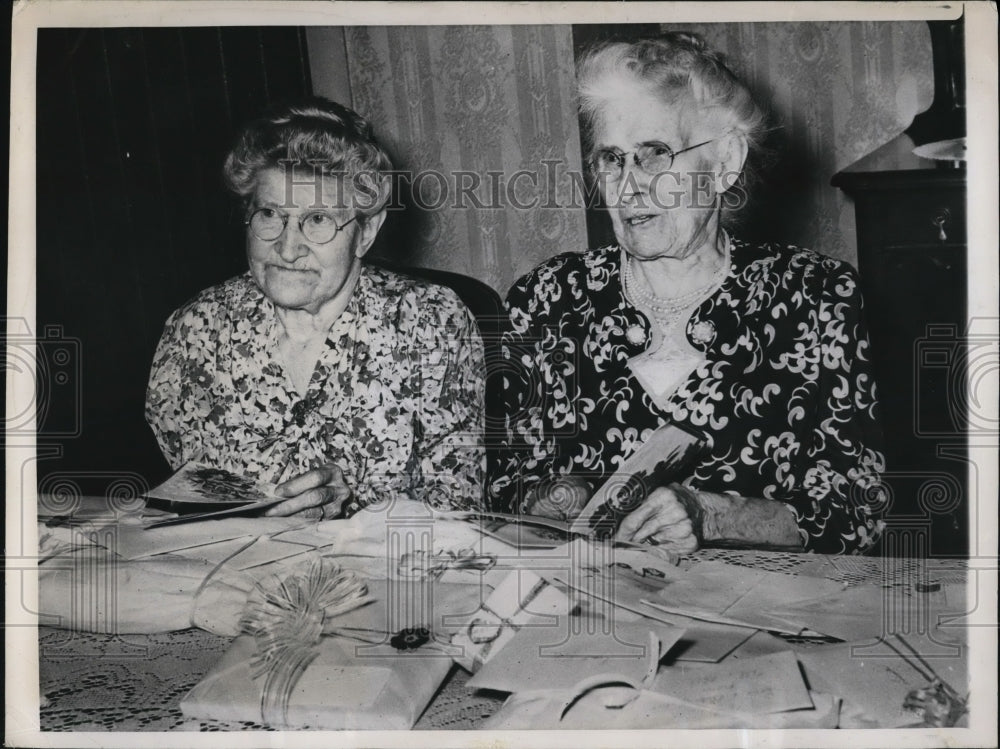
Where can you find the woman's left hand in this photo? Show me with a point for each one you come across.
(319, 493)
(663, 519)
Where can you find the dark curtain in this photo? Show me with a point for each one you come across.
(133, 220)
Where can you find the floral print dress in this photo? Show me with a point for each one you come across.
(783, 396)
(395, 400)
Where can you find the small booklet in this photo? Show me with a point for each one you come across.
(662, 459)
(199, 491)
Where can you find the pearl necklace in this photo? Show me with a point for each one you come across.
(667, 312)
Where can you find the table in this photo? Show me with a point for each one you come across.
(96, 682)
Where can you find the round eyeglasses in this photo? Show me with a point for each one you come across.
(652, 158)
(319, 227)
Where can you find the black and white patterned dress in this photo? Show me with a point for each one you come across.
(784, 395)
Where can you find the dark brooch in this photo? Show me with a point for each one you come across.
(410, 639)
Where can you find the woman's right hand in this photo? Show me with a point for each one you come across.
(561, 497)
(664, 519)
(319, 493)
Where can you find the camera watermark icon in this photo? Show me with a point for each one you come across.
(42, 370)
(78, 565)
(964, 368)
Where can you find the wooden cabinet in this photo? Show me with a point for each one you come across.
(912, 249)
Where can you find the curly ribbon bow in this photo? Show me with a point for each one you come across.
(425, 564)
(287, 624)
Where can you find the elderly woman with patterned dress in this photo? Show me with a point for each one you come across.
(760, 349)
(342, 382)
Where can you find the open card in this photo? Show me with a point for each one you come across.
(198, 491)
(661, 459)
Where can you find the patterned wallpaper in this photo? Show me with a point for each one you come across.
(836, 91)
(499, 99)
(477, 104)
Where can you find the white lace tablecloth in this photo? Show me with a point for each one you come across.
(94, 682)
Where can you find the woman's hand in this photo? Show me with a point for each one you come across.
(664, 519)
(319, 493)
(682, 519)
(561, 498)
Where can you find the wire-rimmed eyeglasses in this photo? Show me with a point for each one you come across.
(319, 227)
(652, 158)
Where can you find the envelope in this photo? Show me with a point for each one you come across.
(560, 656)
(757, 685)
(873, 679)
(136, 542)
(522, 599)
(736, 594)
(603, 708)
(854, 613)
(702, 641)
(245, 553)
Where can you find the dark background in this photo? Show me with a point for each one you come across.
(133, 220)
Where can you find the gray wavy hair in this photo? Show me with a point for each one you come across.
(320, 133)
(678, 66)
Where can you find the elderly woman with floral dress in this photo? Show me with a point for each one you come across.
(344, 383)
(760, 349)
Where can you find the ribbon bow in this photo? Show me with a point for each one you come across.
(287, 624)
(426, 564)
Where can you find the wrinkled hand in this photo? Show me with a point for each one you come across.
(319, 493)
(663, 519)
(561, 498)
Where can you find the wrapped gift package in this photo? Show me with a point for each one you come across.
(349, 685)
(324, 648)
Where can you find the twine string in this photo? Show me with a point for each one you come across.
(421, 563)
(287, 624)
